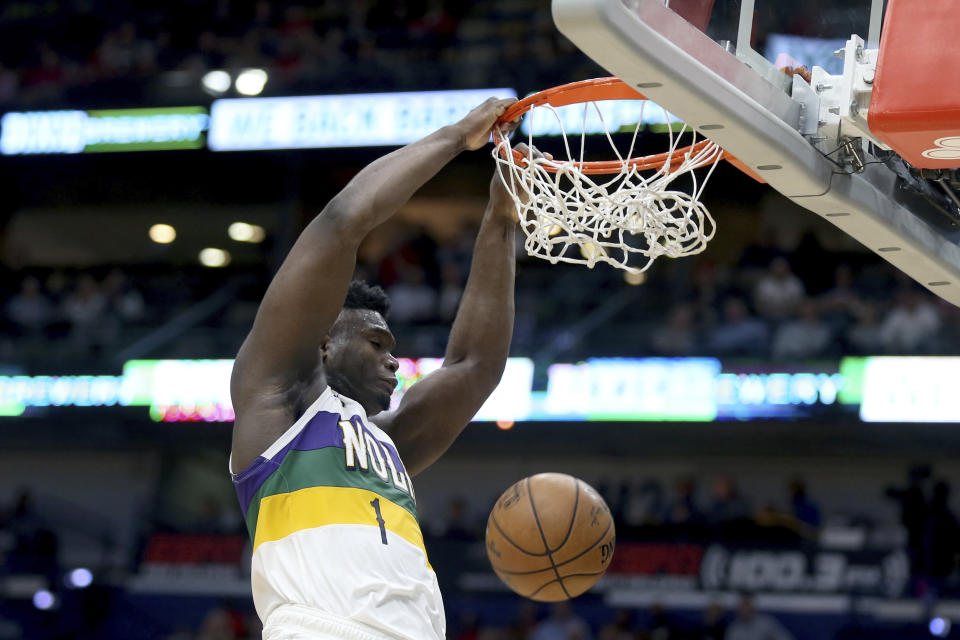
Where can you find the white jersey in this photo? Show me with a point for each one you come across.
(333, 518)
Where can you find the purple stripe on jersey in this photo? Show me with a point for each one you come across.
(320, 432)
(390, 449)
(395, 456)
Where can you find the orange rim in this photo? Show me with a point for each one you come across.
(595, 90)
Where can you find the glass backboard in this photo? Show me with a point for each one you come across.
(730, 69)
(772, 34)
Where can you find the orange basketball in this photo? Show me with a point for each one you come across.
(550, 537)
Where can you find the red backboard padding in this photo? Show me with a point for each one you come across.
(915, 103)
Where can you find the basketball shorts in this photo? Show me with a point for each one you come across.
(293, 622)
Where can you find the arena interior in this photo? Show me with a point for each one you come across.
(771, 421)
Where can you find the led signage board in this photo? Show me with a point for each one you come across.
(67, 132)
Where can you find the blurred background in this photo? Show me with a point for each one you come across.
(772, 422)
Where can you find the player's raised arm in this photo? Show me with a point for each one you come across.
(307, 293)
(434, 411)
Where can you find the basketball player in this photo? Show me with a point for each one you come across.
(323, 471)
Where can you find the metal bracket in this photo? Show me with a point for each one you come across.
(853, 154)
(809, 105)
(844, 100)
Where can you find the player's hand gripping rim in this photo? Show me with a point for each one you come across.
(474, 129)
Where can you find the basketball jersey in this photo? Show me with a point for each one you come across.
(333, 519)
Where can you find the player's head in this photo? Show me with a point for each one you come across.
(356, 351)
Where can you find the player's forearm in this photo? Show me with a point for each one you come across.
(483, 326)
(379, 190)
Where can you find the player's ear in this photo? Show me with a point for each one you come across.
(324, 347)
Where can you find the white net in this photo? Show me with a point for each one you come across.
(627, 217)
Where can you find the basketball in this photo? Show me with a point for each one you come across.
(550, 537)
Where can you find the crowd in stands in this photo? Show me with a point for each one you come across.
(644, 511)
(82, 316)
(656, 623)
(559, 621)
(933, 530)
(328, 45)
(768, 304)
(780, 317)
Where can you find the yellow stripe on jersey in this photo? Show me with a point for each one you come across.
(285, 513)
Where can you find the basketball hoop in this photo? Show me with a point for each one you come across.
(626, 212)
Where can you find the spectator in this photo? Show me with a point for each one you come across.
(30, 309)
(469, 627)
(866, 336)
(86, 304)
(620, 628)
(524, 623)
(683, 509)
(56, 286)
(727, 505)
(779, 292)
(778, 526)
(457, 526)
(563, 624)
(48, 76)
(436, 28)
(22, 519)
(708, 289)
(817, 261)
(676, 337)
(714, 623)
(751, 625)
(84, 308)
(948, 338)
(658, 626)
(941, 538)
(124, 302)
(214, 519)
(911, 325)
(913, 511)
(35, 546)
(123, 52)
(619, 501)
(803, 337)
(222, 624)
(757, 256)
(411, 299)
(451, 290)
(525, 325)
(9, 83)
(739, 333)
(643, 504)
(804, 509)
(840, 302)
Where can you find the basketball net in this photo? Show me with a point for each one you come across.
(625, 212)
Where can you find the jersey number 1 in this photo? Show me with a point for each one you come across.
(375, 503)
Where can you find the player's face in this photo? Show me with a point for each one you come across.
(357, 359)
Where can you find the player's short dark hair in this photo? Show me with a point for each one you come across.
(361, 295)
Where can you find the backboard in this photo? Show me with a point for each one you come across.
(729, 69)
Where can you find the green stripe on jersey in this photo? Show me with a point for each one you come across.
(323, 468)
